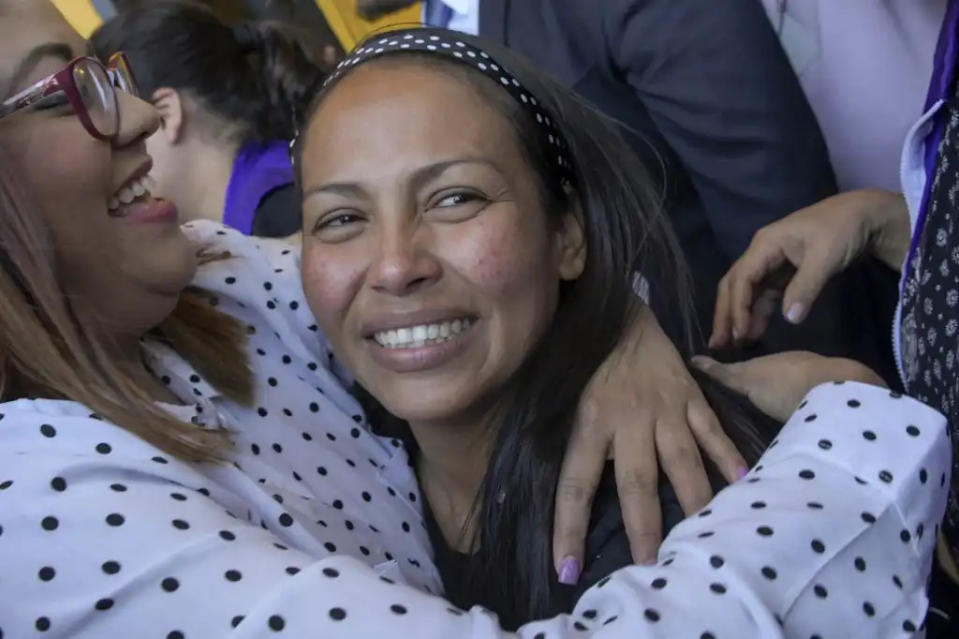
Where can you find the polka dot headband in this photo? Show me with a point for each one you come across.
(450, 45)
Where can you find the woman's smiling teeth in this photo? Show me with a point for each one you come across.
(422, 334)
(131, 191)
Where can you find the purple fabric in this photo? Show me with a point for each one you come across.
(257, 170)
(943, 75)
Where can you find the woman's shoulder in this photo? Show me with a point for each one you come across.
(257, 281)
(242, 265)
(63, 428)
(18, 409)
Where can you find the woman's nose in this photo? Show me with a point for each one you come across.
(402, 263)
(138, 119)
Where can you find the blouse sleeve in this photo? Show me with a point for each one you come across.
(831, 534)
(832, 531)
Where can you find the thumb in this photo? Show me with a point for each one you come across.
(729, 375)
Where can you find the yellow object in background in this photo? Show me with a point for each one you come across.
(350, 28)
(80, 14)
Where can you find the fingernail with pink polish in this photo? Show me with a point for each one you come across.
(569, 571)
(741, 472)
(795, 313)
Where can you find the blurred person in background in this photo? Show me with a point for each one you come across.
(707, 99)
(227, 99)
(864, 67)
(912, 230)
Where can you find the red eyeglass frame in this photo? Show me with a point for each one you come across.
(118, 73)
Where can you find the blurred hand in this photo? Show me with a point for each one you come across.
(776, 384)
(376, 9)
(642, 401)
(792, 259)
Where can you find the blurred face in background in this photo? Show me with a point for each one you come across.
(120, 252)
(429, 258)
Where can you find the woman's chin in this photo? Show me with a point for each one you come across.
(418, 406)
(171, 272)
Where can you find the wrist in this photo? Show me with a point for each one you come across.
(887, 219)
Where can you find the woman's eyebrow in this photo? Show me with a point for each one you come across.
(26, 64)
(419, 177)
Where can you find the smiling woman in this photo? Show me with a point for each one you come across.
(126, 362)
(470, 232)
(58, 128)
(456, 259)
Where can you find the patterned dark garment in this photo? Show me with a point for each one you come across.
(930, 306)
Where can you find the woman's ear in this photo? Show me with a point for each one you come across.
(572, 240)
(168, 102)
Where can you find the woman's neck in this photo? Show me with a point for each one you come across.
(451, 465)
(210, 171)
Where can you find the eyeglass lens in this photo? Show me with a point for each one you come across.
(123, 76)
(96, 91)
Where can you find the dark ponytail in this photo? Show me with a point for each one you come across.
(254, 77)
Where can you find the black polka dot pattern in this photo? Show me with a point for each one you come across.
(444, 44)
(841, 585)
(192, 533)
(96, 509)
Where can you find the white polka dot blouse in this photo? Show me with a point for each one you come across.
(315, 529)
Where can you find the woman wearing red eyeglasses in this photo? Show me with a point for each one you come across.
(179, 456)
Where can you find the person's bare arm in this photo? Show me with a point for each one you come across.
(792, 259)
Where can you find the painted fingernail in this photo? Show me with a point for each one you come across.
(741, 472)
(569, 571)
(649, 562)
(795, 313)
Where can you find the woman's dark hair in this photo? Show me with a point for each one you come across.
(258, 75)
(626, 231)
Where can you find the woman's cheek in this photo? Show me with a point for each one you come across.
(331, 277)
(499, 255)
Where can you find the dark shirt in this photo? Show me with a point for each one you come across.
(261, 198)
(607, 545)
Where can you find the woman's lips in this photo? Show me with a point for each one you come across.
(415, 355)
(149, 211)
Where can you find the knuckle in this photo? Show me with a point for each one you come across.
(574, 490)
(708, 424)
(764, 234)
(642, 536)
(682, 454)
(637, 483)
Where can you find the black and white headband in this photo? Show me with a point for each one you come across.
(451, 45)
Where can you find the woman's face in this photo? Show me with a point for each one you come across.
(429, 259)
(130, 263)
